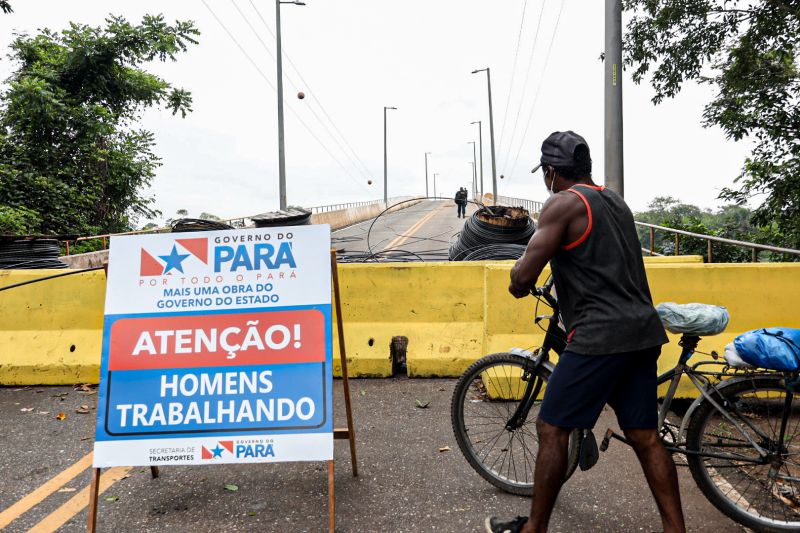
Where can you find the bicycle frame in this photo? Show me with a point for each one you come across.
(708, 390)
(555, 339)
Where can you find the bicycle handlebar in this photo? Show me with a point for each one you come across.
(545, 292)
(544, 289)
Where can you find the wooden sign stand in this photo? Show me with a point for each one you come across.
(350, 431)
(338, 433)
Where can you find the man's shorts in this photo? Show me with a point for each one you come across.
(582, 384)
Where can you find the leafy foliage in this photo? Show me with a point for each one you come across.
(17, 221)
(69, 147)
(730, 222)
(748, 50)
(5, 6)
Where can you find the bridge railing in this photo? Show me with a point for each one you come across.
(710, 240)
(338, 207)
(535, 208)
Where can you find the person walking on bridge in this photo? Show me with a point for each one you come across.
(614, 334)
(461, 202)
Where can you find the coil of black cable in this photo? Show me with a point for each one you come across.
(198, 224)
(27, 254)
(481, 240)
(496, 252)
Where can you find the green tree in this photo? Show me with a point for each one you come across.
(748, 50)
(729, 222)
(70, 149)
(18, 221)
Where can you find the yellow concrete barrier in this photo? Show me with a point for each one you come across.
(51, 332)
(451, 313)
(439, 307)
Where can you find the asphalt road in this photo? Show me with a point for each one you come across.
(422, 231)
(405, 485)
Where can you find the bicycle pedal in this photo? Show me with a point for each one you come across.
(606, 440)
(588, 454)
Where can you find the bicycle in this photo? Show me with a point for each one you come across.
(740, 436)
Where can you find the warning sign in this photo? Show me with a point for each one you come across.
(217, 349)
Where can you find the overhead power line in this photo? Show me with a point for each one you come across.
(513, 71)
(538, 88)
(524, 88)
(272, 85)
(311, 92)
(292, 82)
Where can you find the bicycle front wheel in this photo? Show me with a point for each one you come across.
(485, 398)
(760, 493)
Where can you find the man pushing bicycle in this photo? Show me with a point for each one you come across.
(614, 335)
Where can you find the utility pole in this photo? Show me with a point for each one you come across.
(426, 173)
(480, 143)
(434, 184)
(474, 171)
(614, 167)
(491, 130)
(385, 180)
(281, 146)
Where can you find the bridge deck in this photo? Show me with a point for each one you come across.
(420, 231)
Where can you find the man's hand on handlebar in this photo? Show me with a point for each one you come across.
(518, 292)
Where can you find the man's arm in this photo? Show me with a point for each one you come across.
(554, 220)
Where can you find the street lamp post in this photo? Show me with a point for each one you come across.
(385, 180)
(281, 147)
(480, 150)
(474, 179)
(426, 173)
(474, 171)
(491, 130)
(434, 184)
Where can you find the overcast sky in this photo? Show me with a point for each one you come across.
(357, 56)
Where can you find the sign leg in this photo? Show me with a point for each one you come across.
(154, 473)
(331, 499)
(351, 430)
(94, 488)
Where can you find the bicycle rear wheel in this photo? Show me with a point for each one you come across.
(485, 398)
(763, 495)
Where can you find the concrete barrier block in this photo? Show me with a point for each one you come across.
(439, 307)
(51, 331)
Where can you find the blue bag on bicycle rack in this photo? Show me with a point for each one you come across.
(772, 348)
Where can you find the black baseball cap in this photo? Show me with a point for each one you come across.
(558, 150)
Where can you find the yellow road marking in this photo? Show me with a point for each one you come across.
(412, 230)
(79, 502)
(48, 488)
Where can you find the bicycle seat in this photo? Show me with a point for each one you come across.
(700, 320)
